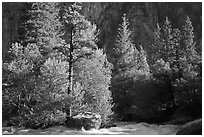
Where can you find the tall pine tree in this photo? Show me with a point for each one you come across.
(177, 62)
(126, 55)
(190, 64)
(81, 50)
(130, 65)
(166, 58)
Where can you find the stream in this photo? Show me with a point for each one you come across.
(123, 128)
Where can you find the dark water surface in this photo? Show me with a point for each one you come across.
(125, 128)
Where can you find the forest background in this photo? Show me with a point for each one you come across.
(125, 61)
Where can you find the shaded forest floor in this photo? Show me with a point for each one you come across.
(125, 128)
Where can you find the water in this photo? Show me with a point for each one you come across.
(123, 128)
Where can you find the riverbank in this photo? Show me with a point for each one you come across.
(123, 128)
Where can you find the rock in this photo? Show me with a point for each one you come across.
(86, 120)
(8, 130)
(108, 125)
(191, 128)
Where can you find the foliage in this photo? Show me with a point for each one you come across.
(129, 62)
(44, 27)
(130, 67)
(190, 63)
(40, 84)
(33, 95)
(177, 64)
(94, 74)
(77, 98)
(90, 75)
(54, 75)
(58, 69)
(21, 79)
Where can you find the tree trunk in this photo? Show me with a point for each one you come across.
(124, 102)
(171, 90)
(70, 88)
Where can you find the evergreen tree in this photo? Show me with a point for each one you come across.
(43, 26)
(130, 66)
(156, 45)
(44, 32)
(75, 28)
(190, 64)
(126, 55)
(167, 44)
(170, 42)
(81, 50)
(177, 51)
(142, 63)
(189, 45)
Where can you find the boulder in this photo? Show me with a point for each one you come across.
(191, 128)
(108, 125)
(8, 130)
(86, 120)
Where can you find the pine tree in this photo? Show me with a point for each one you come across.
(170, 38)
(156, 45)
(168, 45)
(190, 63)
(188, 40)
(44, 27)
(44, 31)
(143, 65)
(75, 28)
(130, 66)
(177, 49)
(124, 61)
(125, 51)
(81, 37)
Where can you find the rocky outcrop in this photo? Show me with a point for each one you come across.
(86, 120)
(191, 128)
(14, 14)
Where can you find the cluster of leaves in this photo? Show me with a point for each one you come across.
(95, 74)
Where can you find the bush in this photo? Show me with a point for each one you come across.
(40, 120)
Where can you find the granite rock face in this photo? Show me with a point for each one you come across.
(191, 128)
(86, 120)
(13, 15)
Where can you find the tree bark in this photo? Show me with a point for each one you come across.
(70, 88)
